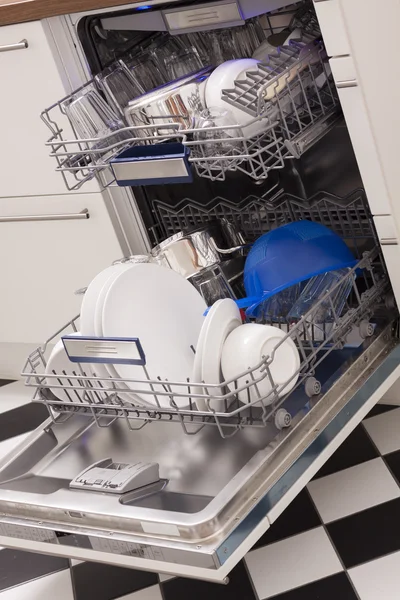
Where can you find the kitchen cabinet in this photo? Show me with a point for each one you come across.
(42, 263)
(31, 81)
(376, 65)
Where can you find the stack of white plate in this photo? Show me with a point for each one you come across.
(161, 309)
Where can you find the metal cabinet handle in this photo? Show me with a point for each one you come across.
(84, 214)
(349, 83)
(388, 241)
(19, 46)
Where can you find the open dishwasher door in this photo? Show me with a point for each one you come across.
(189, 505)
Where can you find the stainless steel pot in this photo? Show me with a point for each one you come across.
(192, 250)
(173, 103)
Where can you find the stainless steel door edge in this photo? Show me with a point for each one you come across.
(315, 433)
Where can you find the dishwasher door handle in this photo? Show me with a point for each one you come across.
(18, 46)
(84, 214)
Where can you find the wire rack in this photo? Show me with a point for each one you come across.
(349, 217)
(302, 104)
(109, 399)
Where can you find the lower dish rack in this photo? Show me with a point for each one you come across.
(111, 399)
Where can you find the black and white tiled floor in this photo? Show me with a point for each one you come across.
(338, 540)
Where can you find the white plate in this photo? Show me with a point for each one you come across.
(90, 300)
(224, 77)
(59, 364)
(107, 369)
(197, 368)
(223, 317)
(92, 306)
(91, 321)
(165, 312)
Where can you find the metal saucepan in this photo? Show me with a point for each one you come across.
(173, 103)
(194, 249)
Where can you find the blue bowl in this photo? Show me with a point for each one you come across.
(288, 255)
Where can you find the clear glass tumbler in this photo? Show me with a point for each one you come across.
(212, 284)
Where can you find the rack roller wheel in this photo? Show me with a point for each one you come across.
(282, 418)
(312, 387)
(366, 329)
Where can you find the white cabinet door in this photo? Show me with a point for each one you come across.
(42, 262)
(30, 82)
(373, 31)
(366, 151)
(331, 22)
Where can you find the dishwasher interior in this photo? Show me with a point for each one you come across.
(210, 477)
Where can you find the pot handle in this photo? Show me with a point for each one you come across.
(228, 250)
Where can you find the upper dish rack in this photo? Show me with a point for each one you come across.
(290, 96)
(109, 399)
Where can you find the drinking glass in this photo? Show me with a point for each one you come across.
(145, 69)
(277, 307)
(212, 284)
(91, 117)
(182, 62)
(322, 318)
(315, 289)
(216, 131)
(119, 85)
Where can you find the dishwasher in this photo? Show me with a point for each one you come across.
(195, 490)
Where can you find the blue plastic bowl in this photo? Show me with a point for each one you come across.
(288, 255)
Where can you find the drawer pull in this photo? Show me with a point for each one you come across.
(388, 241)
(19, 46)
(84, 214)
(346, 84)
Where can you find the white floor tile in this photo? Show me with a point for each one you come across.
(14, 395)
(75, 561)
(12, 443)
(392, 396)
(164, 577)
(378, 579)
(354, 489)
(56, 586)
(384, 430)
(292, 562)
(150, 593)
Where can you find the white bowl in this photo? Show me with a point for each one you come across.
(223, 78)
(244, 349)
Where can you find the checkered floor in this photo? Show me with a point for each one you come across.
(338, 540)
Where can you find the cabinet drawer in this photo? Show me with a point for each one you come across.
(332, 26)
(359, 126)
(42, 262)
(31, 82)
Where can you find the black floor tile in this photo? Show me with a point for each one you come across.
(17, 567)
(299, 516)
(238, 588)
(379, 409)
(21, 420)
(356, 449)
(336, 587)
(106, 582)
(367, 535)
(6, 381)
(393, 462)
